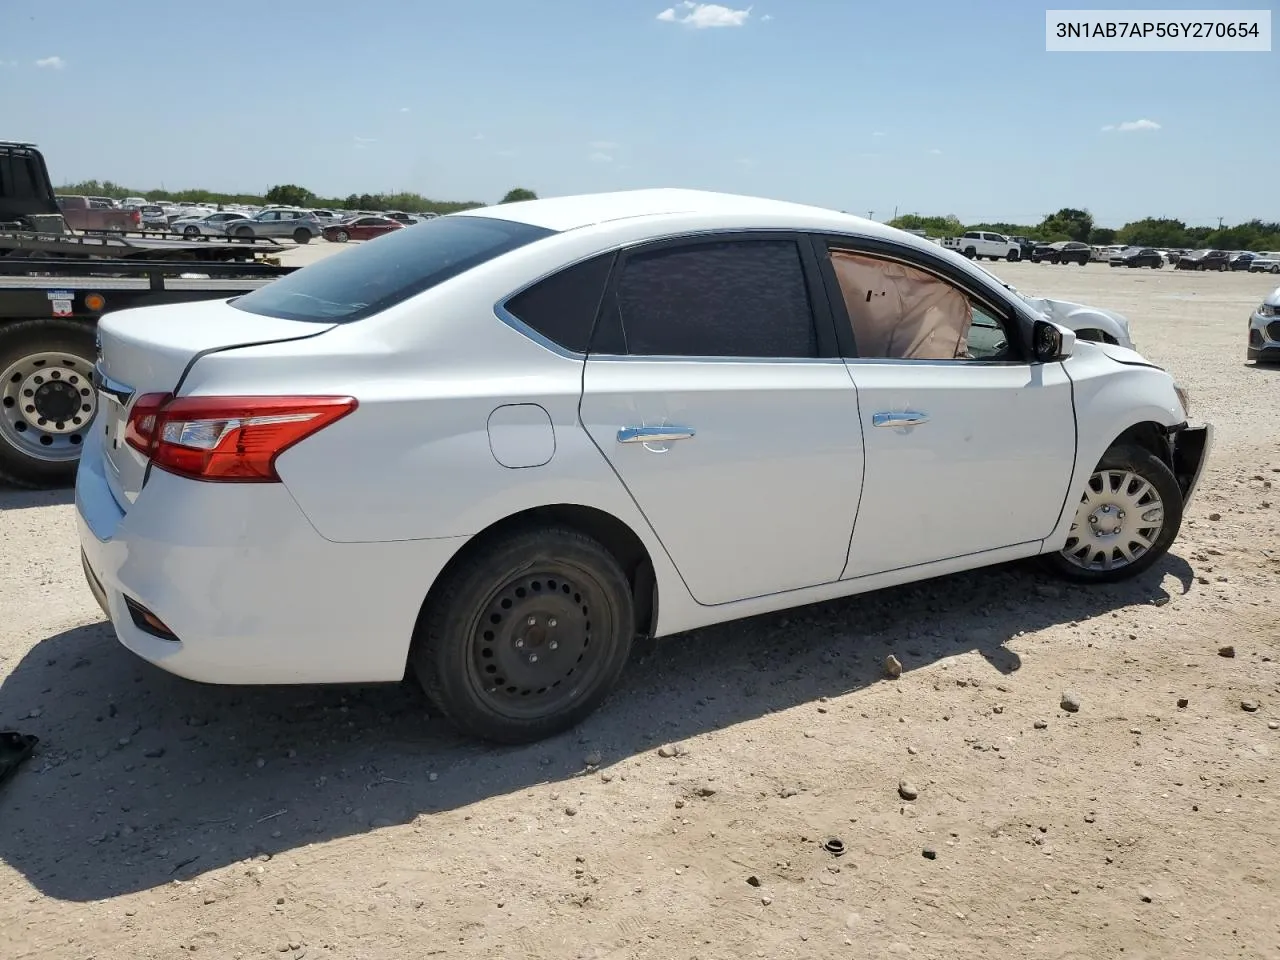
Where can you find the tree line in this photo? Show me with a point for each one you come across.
(1070, 223)
(289, 194)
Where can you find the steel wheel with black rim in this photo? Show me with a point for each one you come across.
(525, 635)
(1126, 520)
(47, 400)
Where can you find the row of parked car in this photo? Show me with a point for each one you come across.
(297, 224)
(245, 222)
(977, 244)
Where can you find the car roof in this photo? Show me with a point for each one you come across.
(584, 210)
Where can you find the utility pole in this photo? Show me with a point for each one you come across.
(871, 214)
(895, 211)
(1219, 223)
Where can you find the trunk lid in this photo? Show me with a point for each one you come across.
(149, 349)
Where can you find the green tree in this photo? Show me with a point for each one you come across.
(948, 226)
(518, 194)
(1153, 232)
(290, 195)
(1068, 223)
(1102, 236)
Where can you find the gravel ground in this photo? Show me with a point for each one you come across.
(686, 818)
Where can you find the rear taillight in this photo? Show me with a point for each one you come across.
(137, 217)
(233, 439)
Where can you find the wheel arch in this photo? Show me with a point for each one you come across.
(615, 535)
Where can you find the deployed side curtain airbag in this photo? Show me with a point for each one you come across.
(900, 312)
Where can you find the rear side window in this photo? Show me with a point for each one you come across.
(366, 280)
(738, 298)
(563, 306)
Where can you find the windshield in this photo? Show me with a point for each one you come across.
(366, 280)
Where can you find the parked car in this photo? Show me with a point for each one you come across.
(1137, 257)
(976, 244)
(207, 225)
(86, 213)
(495, 448)
(1241, 260)
(301, 225)
(152, 217)
(1025, 246)
(1203, 260)
(360, 228)
(1063, 251)
(1265, 263)
(1264, 330)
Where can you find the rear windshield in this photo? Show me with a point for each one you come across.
(366, 280)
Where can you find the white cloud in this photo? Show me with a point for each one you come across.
(1131, 125)
(766, 18)
(599, 157)
(404, 109)
(604, 146)
(362, 143)
(703, 15)
(478, 136)
(936, 152)
(745, 162)
(879, 133)
(52, 63)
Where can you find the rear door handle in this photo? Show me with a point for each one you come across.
(654, 434)
(903, 418)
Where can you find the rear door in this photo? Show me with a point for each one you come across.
(969, 446)
(715, 390)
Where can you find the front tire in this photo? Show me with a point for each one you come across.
(1127, 518)
(526, 637)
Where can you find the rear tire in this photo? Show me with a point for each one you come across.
(971, 253)
(32, 454)
(527, 636)
(191, 232)
(1133, 491)
(244, 233)
(301, 236)
(1013, 256)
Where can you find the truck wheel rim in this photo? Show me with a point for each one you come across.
(46, 404)
(1118, 520)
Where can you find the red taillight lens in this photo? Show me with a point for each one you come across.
(227, 438)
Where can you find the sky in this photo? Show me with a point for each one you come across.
(869, 106)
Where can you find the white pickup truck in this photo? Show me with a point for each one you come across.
(976, 244)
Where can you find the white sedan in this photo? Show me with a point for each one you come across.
(495, 448)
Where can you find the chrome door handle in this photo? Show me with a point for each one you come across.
(654, 434)
(905, 418)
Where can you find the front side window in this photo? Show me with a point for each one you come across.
(372, 277)
(732, 298)
(902, 312)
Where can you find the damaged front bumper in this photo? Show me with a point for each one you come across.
(1190, 450)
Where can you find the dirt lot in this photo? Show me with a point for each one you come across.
(160, 817)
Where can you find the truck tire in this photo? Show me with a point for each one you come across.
(46, 373)
(1013, 256)
(971, 253)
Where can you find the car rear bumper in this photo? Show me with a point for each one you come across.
(245, 588)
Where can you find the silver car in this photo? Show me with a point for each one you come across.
(300, 225)
(209, 225)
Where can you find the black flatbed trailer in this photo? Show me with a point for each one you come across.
(133, 244)
(49, 309)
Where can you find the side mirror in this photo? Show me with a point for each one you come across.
(1051, 342)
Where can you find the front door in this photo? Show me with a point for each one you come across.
(721, 402)
(969, 446)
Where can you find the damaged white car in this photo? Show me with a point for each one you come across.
(495, 448)
(1264, 330)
